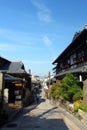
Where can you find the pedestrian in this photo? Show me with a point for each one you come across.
(37, 97)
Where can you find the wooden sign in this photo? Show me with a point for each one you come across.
(1, 81)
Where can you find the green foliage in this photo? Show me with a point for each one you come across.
(69, 80)
(77, 95)
(65, 95)
(70, 89)
(83, 107)
(55, 90)
(77, 105)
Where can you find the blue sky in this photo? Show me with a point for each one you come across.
(37, 31)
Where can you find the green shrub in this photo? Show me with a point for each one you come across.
(77, 95)
(69, 80)
(55, 90)
(65, 96)
(83, 107)
(77, 105)
(70, 87)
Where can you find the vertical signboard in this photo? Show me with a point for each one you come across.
(1, 81)
(1, 89)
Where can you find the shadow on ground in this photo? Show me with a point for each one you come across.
(41, 121)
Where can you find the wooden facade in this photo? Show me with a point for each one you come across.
(74, 59)
(16, 80)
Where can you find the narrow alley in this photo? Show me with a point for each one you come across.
(44, 116)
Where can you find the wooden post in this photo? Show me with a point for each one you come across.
(1, 89)
(85, 92)
(49, 78)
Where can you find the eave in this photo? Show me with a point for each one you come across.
(71, 45)
(81, 69)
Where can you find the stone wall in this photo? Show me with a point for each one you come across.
(82, 116)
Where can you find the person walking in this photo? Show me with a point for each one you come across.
(37, 97)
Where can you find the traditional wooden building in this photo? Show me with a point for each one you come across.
(16, 80)
(74, 59)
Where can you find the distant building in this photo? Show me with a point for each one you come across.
(74, 59)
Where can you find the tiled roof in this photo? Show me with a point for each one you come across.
(10, 67)
(73, 44)
(13, 67)
(16, 67)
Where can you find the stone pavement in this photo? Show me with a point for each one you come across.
(13, 110)
(45, 116)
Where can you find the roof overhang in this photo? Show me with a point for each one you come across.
(81, 69)
(11, 78)
(71, 45)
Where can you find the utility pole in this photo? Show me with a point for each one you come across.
(49, 78)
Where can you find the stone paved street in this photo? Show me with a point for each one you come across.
(44, 116)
